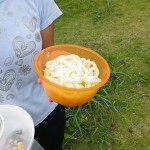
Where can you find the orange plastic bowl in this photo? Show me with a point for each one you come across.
(70, 96)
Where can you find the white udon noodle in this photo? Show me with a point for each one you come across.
(72, 71)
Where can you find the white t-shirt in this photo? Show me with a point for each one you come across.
(20, 24)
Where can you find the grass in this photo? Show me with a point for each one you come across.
(118, 117)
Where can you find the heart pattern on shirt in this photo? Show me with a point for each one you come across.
(19, 63)
(8, 61)
(21, 48)
(10, 96)
(30, 23)
(7, 80)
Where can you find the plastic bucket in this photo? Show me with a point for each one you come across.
(70, 96)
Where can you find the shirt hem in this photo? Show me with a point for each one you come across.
(52, 107)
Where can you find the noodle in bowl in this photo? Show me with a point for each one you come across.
(72, 71)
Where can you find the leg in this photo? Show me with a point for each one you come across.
(50, 132)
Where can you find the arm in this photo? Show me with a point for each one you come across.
(48, 36)
(47, 39)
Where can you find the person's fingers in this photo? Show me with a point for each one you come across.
(39, 81)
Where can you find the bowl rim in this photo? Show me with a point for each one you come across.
(1, 125)
(41, 76)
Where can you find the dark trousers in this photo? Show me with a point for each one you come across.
(50, 133)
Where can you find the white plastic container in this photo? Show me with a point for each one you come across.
(17, 126)
(1, 125)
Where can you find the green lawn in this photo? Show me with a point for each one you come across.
(118, 117)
